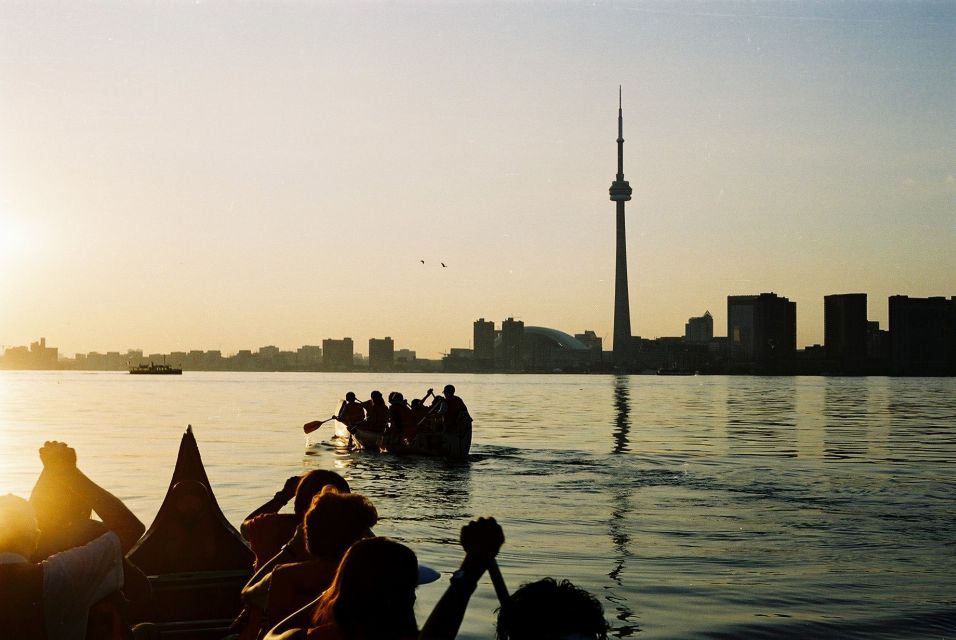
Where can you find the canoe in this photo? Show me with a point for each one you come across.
(433, 438)
(197, 563)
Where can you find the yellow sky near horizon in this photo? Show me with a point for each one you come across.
(221, 176)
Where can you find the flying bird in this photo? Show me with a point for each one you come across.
(422, 261)
(443, 264)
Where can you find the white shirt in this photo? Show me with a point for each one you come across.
(75, 579)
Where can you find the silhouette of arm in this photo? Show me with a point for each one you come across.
(481, 540)
(60, 461)
(279, 500)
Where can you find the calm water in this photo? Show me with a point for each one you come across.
(691, 506)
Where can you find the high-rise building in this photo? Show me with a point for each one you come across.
(845, 330)
(923, 335)
(594, 343)
(699, 330)
(381, 354)
(761, 329)
(511, 348)
(337, 355)
(484, 340)
(620, 193)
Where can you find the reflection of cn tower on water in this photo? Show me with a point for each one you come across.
(621, 193)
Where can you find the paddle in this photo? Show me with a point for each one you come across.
(309, 427)
(498, 581)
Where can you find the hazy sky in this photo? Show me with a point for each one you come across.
(220, 175)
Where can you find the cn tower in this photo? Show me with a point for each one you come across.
(621, 193)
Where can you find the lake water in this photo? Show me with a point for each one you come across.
(690, 506)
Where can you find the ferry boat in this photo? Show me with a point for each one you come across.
(153, 369)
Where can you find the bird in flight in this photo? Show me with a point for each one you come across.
(422, 261)
(443, 264)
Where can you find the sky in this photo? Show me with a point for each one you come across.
(219, 175)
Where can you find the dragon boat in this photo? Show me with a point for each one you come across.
(197, 563)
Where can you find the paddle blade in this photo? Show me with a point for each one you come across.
(309, 427)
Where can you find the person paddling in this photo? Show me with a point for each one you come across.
(454, 407)
(376, 413)
(351, 413)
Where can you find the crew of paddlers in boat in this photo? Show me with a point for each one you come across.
(320, 572)
(442, 427)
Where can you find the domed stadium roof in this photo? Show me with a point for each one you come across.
(557, 338)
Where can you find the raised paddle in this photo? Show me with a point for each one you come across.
(309, 427)
(498, 581)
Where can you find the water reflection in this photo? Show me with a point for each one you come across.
(626, 624)
(622, 405)
(414, 489)
(847, 420)
(761, 416)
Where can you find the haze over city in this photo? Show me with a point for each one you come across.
(218, 176)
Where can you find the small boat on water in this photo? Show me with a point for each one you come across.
(197, 563)
(677, 372)
(153, 369)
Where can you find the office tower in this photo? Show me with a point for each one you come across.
(511, 352)
(337, 354)
(381, 354)
(922, 335)
(845, 330)
(699, 330)
(484, 340)
(761, 329)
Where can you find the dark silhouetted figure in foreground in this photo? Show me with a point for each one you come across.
(51, 599)
(333, 523)
(373, 594)
(550, 610)
(267, 530)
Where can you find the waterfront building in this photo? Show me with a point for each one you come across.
(308, 356)
(593, 342)
(761, 331)
(553, 350)
(699, 330)
(269, 351)
(338, 355)
(509, 351)
(483, 342)
(922, 335)
(845, 331)
(381, 354)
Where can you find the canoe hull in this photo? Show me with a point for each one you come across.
(432, 439)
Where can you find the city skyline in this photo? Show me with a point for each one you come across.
(225, 176)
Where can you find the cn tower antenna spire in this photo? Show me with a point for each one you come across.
(620, 193)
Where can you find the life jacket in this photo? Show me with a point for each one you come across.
(21, 601)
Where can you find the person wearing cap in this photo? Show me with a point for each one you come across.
(50, 600)
(373, 594)
(372, 597)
